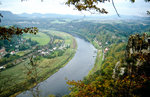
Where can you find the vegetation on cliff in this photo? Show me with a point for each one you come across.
(124, 72)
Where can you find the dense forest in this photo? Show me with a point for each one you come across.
(123, 73)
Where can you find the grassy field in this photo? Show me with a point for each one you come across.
(40, 37)
(62, 21)
(57, 40)
(64, 35)
(22, 53)
(57, 21)
(15, 79)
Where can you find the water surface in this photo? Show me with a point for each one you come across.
(76, 69)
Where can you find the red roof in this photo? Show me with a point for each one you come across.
(2, 50)
(13, 51)
(106, 49)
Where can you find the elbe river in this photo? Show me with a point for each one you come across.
(76, 69)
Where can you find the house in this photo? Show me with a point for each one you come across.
(39, 51)
(106, 49)
(106, 42)
(12, 52)
(16, 50)
(2, 67)
(17, 46)
(2, 52)
(44, 53)
(51, 50)
(61, 47)
(54, 48)
(100, 43)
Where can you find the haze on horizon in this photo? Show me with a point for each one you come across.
(124, 7)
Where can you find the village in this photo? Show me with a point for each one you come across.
(104, 48)
(20, 44)
(30, 48)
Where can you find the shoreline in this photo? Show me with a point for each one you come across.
(72, 49)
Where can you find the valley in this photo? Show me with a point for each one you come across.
(50, 55)
(88, 54)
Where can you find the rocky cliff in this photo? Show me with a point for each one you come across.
(138, 54)
(137, 57)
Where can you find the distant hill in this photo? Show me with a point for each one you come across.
(49, 15)
(9, 15)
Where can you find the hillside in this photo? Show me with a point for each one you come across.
(7, 15)
(119, 75)
(123, 51)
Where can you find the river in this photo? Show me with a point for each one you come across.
(77, 68)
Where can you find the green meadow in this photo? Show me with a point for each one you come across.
(40, 37)
(14, 80)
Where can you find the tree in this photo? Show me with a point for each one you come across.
(88, 5)
(7, 33)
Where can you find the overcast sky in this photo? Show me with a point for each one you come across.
(124, 7)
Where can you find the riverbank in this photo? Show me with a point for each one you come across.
(77, 68)
(59, 63)
(15, 78)
(100, 54)
(99, 59)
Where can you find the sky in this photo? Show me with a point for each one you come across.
(124, 7)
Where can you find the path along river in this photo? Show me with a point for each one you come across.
(76, 69)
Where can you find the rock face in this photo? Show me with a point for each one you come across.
(138, 54)
(138, 45)
(137, 57)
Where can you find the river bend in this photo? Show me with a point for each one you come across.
(76, 69)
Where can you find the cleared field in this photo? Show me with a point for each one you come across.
(40, 37)
(58, 40)
(15, 79)
(64, 35)
(22, 53)
(18, 74)
(58, 22)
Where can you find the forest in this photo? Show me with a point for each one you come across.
(121, 68)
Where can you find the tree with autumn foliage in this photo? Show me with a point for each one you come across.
(103, 84)
(92, 5)
(86, 5)
(9, 32)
